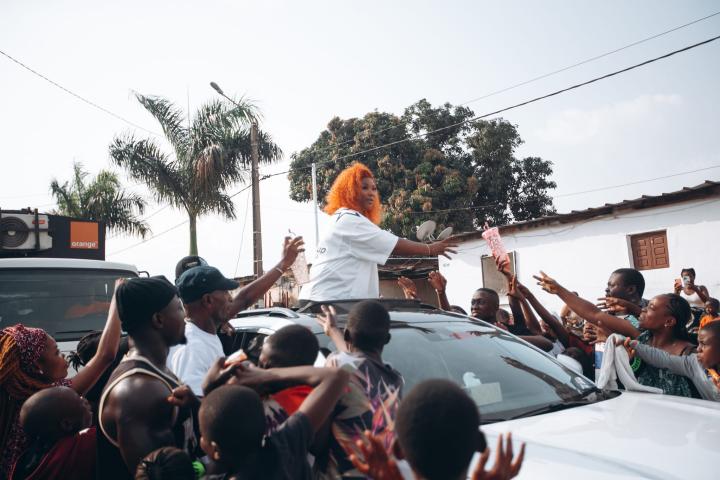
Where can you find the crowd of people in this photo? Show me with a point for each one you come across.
(165, 401)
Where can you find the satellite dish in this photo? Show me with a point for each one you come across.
(445, 233)
(425, 230)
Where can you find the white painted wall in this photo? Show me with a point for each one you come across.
(582, 255)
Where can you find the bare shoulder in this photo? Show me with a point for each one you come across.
(140, 396)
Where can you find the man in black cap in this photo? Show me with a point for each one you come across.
(206, 295)
(186, 263)
(143, 406)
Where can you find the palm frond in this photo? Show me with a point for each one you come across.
(145, 162)
(171, 120)
(221, 203)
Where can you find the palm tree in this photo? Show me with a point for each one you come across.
(102, 198)
(209, 156)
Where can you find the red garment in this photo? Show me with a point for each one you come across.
(575, 341)
(71, 457)
(291, 398)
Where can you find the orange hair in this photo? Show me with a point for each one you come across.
(346, 189)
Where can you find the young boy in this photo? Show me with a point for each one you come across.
(712, 306)
(701, 367)
(232, 423)
(372, 399)
(438, 433)
(291, 346)
(56, 421)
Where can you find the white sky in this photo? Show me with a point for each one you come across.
(305, 62)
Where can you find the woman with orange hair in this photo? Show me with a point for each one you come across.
(349, 253)
(30, 361)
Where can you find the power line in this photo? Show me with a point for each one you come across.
(242, 234)
(599, 189)
(81, 98)
(166, 231)
(517, 105)
(549, 74)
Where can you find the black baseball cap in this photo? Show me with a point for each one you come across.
(201, 280)
(186, 263)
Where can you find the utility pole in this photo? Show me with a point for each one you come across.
(257, 225)
(315, 207)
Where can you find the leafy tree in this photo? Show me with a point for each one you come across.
(208, 156)
(102, 198)
(462, 174)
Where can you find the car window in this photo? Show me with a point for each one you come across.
(504, 375)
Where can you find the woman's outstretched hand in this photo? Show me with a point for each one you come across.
(443, 247)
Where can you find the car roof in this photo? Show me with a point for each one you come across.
(401, 312)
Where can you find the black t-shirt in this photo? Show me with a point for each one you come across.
(284, 456)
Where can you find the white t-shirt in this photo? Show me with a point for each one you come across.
(345, 266)
(191, 362)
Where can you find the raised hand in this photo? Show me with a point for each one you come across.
(512, 288)
(589, 333)
(183, 397)
(505, 467)
(291, 248)
(327, 319)
(218, 375)
(443, 247)
(376, 463)
(408, 287)
(437, 281)
(677, 286)
(548, 284)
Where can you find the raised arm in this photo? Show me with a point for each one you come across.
(106, 351)
(328, 321)
(329, 383)
(439, 283)
(547, 317)
(678, 364)
(586, 309)
(255, 290)
(408, 247)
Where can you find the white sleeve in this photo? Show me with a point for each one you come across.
(367, 241)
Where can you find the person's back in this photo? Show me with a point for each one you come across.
(375, 388)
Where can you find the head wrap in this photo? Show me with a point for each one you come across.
(20, 348)
(30, 343)
(139, 299)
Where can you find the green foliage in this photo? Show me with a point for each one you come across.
(101, 198)
(208, 156)
(461, 176)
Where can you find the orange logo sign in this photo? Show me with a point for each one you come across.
(84, 235)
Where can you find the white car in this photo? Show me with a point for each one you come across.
(572, 429)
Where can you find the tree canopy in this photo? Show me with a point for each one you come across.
(208, 156)
(102, 198)
(432, 163)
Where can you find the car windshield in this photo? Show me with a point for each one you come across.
(504, 375)
(66, 303)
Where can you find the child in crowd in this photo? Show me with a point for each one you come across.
(291, 346)
(701, 367)
(61, 445)
(237, 443)
(372, 400)
(167, 463)
(438, 433)
(712, 307)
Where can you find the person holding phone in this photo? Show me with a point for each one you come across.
(696, 295)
